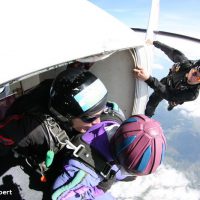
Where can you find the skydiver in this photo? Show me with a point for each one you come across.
(180, 85)
(77, 101)
(135, 148)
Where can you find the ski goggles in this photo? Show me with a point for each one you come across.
(195, 73)
(89, 119)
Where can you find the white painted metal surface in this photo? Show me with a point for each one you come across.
(116, 74)
(38, 34)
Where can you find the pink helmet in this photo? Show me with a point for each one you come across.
(139, 145)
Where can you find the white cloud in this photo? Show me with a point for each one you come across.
(167, 183)
(191, 109)
(157, 66)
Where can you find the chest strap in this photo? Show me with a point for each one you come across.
(82, 151)
(91, 157)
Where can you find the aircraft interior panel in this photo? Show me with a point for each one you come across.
(116, 73)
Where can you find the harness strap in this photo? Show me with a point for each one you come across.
(93, 158)
(57, 137)
(81, 150)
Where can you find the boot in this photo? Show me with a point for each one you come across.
(171, 105)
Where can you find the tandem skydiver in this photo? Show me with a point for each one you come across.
(71, 104)
(134, 148)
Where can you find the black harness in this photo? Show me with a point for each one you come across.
(92, 158)
(76, 148)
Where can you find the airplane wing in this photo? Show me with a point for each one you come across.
(40, 34)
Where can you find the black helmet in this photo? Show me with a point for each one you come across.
(76, 92)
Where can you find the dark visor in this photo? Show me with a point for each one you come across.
(89, 119)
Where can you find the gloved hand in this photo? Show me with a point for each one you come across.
(76, 182)
(149, 42)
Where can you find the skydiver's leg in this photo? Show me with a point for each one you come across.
(153, 102)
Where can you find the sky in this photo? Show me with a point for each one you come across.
(179, 176)
(175, 16)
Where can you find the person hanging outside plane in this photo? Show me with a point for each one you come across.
(112, 152)
(180, 85)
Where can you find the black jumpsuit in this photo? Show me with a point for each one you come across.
(174, 86)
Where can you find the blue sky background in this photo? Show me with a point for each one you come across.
(179, 177)
(175, 16)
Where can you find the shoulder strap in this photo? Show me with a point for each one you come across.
(56, 136)
(80, 149)
(58, 139)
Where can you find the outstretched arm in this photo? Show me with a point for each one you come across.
(174, 54)
(165, 92)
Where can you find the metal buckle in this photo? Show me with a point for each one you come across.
(76, 149)
(60, 135)
(106, 171)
